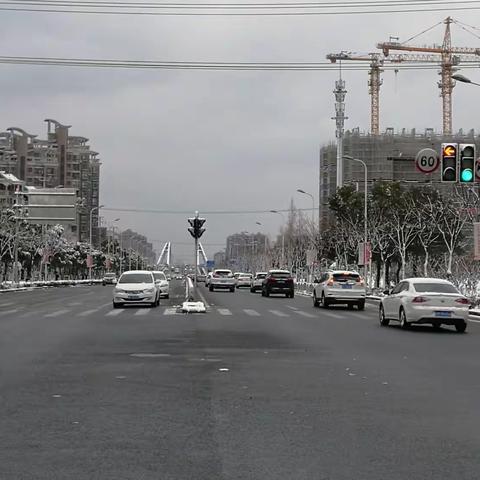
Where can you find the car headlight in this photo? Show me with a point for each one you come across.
(119, 290)
(149, 290)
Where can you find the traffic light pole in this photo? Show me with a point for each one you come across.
(196, 264)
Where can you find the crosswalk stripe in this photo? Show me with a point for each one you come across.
(252, 313)
(114, 313)
(57, 313)
(292, 308)
(8, 312)
(331, 314)
(278, 313)
(304, 314)
(224, 311)
(88, 312)
(143, 311)
(170, 311)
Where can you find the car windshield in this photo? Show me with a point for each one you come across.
(110, 275)
(223, 273)
(434, 288)
(261, 275)
(246, 275)
(136, 278)
(346, 277)
(159, 276)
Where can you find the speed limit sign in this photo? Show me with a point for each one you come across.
(427, 160)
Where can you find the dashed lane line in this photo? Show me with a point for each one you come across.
(142, 312)
(278, 313)
(114, 313)
(170, 311)
(57, 313)
(9, 312)
(304, 314)
(224, 311)
(88, 312)
(252, 313)
(292, 308)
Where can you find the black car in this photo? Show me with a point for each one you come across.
(278, 281)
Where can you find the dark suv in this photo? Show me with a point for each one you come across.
(278, 281)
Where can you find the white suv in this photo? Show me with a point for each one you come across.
(340, 287)
(222, 278)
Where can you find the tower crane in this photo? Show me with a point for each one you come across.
(376, 61)
(446, 55)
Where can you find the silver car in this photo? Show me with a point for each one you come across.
(257, 281)
(425, 300)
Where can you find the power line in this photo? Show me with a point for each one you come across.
(454, 6)
(215, 66)
(203, 212)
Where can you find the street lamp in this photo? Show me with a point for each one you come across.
(113, 238)
(91, 245)
(265, 246)
(283, 234)
(463, 79)
(348, 157)
(299, 190)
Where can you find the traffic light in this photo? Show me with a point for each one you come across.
(449, 162)
(467, 163)
(195, 229)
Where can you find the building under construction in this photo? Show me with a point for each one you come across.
(389, 156)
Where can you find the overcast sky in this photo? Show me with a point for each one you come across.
(194, 140)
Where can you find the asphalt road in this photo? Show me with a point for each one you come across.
(256, 388)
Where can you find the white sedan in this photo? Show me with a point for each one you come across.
(162, 284)
(425, 300)
(136, 286)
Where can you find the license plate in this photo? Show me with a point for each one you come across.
(443, 314)
(346, 286)
(133, 297)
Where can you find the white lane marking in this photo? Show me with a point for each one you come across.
(304, 314)
(202, 298)
(74, 304)
(278, 313)
(6, 304)
(170, 311)
(109, 304)
(114, 313)
(88, 312)
(57, 313)
(470, 319)
(224, 311)
(252, 313)
(8, 312)
(292, 308)
(143, 311)
(331, 314)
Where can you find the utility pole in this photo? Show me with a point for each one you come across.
(340, 118)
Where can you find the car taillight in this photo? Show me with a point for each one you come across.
(330, 283)
(272, 279)
(419, 300)
(360, 281)
(216, 276)
(463, 301)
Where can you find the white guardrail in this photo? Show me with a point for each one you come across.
(9, 286)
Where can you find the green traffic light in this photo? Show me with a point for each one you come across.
(467, 175)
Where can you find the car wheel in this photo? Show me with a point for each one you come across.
(167, 296)
(210, 289)
(263, 292)
(361, 305)
(292, 294)
(316, 302)
(252, 290)
(350, 306)
(267, 293)
(324, 301)
(383, 320)
(403, 320)
(461, 327)
(232, 289)
(117, 305)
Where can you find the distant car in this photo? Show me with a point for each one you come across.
(136, 286)
(278, 281)
(201, 277)
(222, 279)
(340, 287)
(244, 280)
(425, 300)
(162, 283)
(257, 281)
(207, 279)
(109, 279)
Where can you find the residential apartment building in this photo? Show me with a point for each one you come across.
(61, 160)
(9, 184)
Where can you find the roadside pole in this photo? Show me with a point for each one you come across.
(196, 231)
